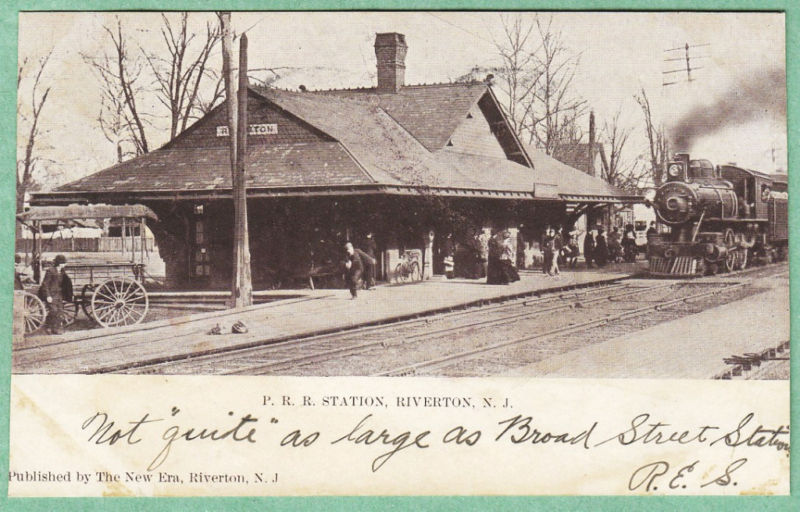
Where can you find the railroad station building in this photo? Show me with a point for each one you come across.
(409, 163)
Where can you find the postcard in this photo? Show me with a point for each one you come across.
(417, 253)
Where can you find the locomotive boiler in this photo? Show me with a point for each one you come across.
(717, 218)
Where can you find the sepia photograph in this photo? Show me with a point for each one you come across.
(460, 201)
(479, 194)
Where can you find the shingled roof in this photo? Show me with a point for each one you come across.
(572, 183)
(430, 113)
(368, 140)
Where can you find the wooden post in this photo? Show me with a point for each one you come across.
(37, 253)
(123, 237)
(241, 284)
(142, 222)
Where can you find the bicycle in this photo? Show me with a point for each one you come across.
(408, 270)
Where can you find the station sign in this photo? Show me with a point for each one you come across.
(253, 129)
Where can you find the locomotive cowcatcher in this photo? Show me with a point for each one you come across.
(720, 218)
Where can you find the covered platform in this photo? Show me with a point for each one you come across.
(313, 312)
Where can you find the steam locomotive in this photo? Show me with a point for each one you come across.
(719, 218)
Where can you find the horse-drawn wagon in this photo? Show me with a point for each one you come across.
(109, 293)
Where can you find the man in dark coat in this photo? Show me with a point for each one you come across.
(369, 268)
(601, 248)
(354, 269)
(588, 248)
(55, 289)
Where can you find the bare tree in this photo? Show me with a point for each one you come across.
(556, 109)
(658, 145)
(519, 73)
(180, 73)
(536, 79)
(30, 114)
(120, 75)
(618, 170)
(178, 78)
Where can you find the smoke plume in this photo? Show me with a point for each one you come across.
(755, 95)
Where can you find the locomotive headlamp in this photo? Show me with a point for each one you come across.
(674, 170)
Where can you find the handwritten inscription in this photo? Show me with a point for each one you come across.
(385, 443)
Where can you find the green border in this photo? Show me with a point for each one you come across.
(8, 59)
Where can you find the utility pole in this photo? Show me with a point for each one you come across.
(667, 78)
(241, 283)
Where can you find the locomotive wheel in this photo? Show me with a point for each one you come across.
(119, 302)
(730, 261)
(730, 242)
(743, 259)
(35, 312)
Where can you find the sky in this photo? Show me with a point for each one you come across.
(620, 53)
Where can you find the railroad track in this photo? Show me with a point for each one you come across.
(375, 334)
(387, 341)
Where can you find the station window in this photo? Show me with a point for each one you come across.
(199, 232)
(202, 267)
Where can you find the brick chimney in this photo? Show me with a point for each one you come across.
(390, 50)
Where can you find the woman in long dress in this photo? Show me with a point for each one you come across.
(508, 272)
(493, 270)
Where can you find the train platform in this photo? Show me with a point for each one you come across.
(692, 347)
(302, 313)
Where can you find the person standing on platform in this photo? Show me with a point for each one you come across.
(354, 270)
(493, 270)
(572, 249)
(543, 246)
(558, 244)
(55, 289)
(614, 245)
(601, 248)
(555, 252)
(651, 232)
(484, 240)
(508, 274)
(370, 249)
(629, 243)
(548, 251)
(448, 253)
(588, 248)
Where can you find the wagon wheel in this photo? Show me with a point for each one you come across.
(730, 257)
(414, 272)
(70, 313)
(119, 302)
(35, 312)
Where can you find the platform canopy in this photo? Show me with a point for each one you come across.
(79, 211)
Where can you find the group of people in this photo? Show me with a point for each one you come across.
(494, 255)
(500, 264)
(559, 248)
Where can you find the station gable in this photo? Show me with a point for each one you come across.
(269, 125)
(475, 136)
